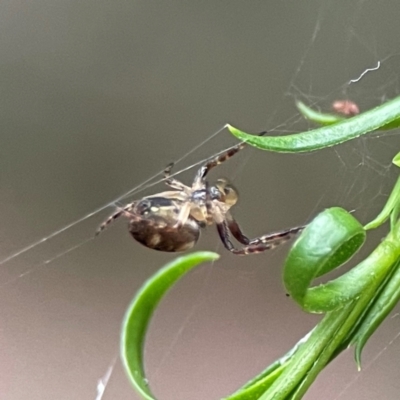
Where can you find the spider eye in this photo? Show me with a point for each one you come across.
(143, 207)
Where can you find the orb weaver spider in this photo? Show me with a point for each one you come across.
(171, 221)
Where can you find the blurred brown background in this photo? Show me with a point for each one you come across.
(96, 97)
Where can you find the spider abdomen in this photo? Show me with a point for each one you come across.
(154, 223)
(157, 234)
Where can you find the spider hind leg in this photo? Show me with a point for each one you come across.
(256, 245)
(113, 217)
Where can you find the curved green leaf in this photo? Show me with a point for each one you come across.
(330, 240)
(140, 311)
(359, 300)
(330, 119)
(329, 135)
(392, 205)
(318, 117)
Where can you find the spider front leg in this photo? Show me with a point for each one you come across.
(174, 183)
(213, 162)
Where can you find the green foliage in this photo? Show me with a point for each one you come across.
(318, 117)
(141, 309)
(354, 304)
(381, 117)
(329, 241)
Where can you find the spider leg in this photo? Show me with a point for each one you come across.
(223, 232)
(181, 195)
(174, 183)
(238, 234)
(257, 245)
(277, 237)
(219, 159)
(170, 194)
(183, 215)
(113, 217)
(235, 229)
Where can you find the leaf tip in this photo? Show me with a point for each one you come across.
(357, 355)
(396, 160)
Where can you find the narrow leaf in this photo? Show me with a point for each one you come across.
(329, 135)
(386, 300)
(391, 205)
(318, 117)
(140, 311)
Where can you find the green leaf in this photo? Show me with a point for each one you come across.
(359, 301)
(382, 304)
(140, 311)
(318, 117)
(263, 381)
(311, 357)
(392, 205)
(258, 386)
(355, 303)
(396, 160)
(391, 125)
(330, 119)
(330, 240)
(329, 135)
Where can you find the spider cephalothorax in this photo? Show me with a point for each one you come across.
(171, 221)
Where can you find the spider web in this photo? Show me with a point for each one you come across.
(343, 54)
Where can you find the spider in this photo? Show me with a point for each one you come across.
(171, 221)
